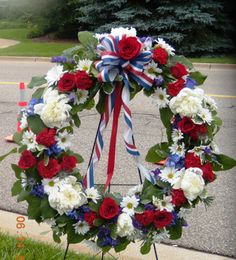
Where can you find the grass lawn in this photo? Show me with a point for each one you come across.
(29, 47)
(228, 59)
(33, 250)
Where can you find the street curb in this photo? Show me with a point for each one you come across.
(48, 59)
(21, 58)
(8, 221)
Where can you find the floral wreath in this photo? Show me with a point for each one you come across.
(117, 66)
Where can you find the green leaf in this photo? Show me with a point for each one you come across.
(150, 192)
(35, 123)
(38, 93)
(145, 249)
(46, 210)
(76, 120)
(70, 52)
(108, 87)
(37, 81)
(122, 245)
(17, 171)
(217, 121)
(16, 188)
(72, 237)
(56, 238)
(166, 116)
(17, 137)
(198, 76)
(14, 150)
(175, 231)
(34, 211)
(24, 195)
(87, 38)
(181, 59)
(223, 163)
(101, 102)
(22, 148)
(157, 153)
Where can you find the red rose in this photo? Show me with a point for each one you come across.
(27, 160)
(186, 125)
(199, 130)
(208, 174)
(178, 197)
(175, 87)
(162, 218)
(67, 82)
(68, 163)
(89, 217)
(145, 218)
(191, 160)
(46, 137)
(50, 170)
(129, 48)
(83, 80)
(108, 209)
(178, 70)
(160, 55)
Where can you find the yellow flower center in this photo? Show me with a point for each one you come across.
(170, 175)
(130, 205)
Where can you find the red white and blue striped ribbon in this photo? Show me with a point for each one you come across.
(128, 136)
(99, 144)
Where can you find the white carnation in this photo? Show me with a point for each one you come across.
(54, 74)
(67, 197)
(124, 225)
(191, 182)
(135, 190)
(54, 111)
(187, 103)
(123, 31)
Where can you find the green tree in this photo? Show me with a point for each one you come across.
(193, 27)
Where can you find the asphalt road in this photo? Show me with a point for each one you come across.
(213, 230)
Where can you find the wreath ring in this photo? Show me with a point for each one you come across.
(117, 66)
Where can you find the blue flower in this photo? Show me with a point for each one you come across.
(59, 59)
(84, 209)
(74, 215)
(103, 231)
(38, 191)
(32, 103)
(175, 161)
(158, 80)
(175, 218)
(108, 241)
(190, 83)
(207, 150)
(149, 206)
(53, 149)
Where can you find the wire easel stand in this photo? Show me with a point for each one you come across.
(118, 184)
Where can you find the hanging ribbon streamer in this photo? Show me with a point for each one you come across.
(96, 154)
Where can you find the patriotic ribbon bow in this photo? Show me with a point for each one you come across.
(112, 65)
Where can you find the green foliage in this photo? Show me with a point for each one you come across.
(14, 150)
(223, 162)
(176, 21)
(37, 81)
(157, 153)
(36, 124)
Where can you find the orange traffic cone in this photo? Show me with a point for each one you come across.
(21, 104)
